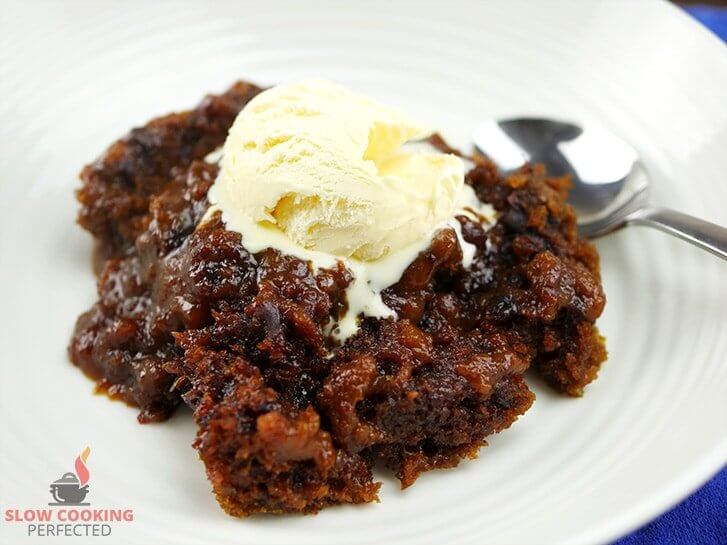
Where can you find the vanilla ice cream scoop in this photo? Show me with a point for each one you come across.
(325, 167)
(318, 172)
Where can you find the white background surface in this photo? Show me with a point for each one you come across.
(75, 76)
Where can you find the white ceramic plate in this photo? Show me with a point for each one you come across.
(75, 76)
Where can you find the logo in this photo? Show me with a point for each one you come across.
(69, 514)
(71, 488)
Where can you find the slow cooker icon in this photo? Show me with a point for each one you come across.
(68, 490)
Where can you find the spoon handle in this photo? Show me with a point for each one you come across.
(708, 236)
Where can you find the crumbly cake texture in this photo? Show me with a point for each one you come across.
(186, 314)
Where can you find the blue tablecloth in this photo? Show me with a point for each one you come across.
(702, 518)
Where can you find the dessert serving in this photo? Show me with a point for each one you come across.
(326, 295)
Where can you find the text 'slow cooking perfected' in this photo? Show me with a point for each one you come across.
(326, 295)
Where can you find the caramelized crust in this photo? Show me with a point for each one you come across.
(542, 280)
(117, 187)
(286, 422)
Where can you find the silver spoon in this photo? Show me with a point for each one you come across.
(610, 184)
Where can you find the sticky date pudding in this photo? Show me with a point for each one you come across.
(289, 419)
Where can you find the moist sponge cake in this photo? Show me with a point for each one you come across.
(289, 421)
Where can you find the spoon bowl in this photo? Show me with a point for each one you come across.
(610, 185)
